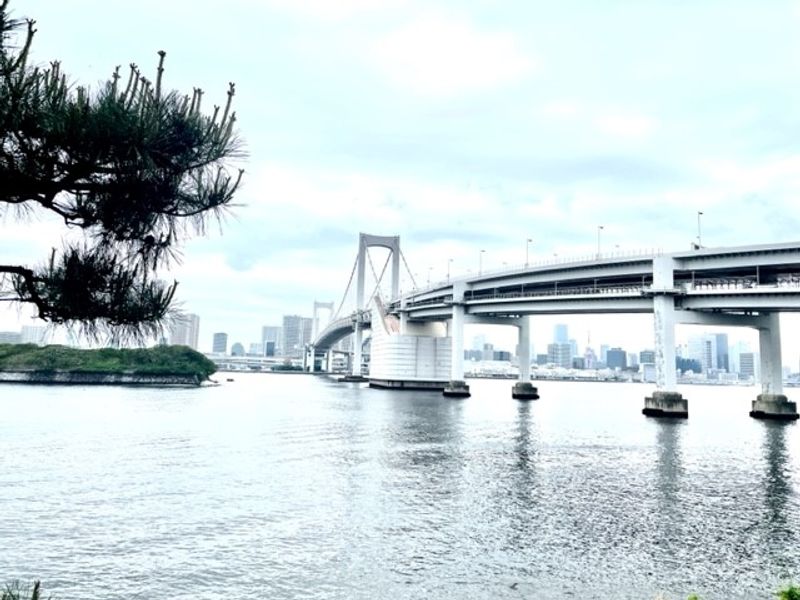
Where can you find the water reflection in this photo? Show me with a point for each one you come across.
(522, 498)
(778, 491)
(669, 513)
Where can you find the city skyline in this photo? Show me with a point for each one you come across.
(465, 130)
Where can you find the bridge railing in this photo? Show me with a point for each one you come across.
(647, 253)
(593, 290)
(750, 282)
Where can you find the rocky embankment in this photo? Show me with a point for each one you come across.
(71, 378)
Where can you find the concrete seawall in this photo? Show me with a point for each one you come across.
(72, 378)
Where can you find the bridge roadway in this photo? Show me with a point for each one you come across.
(744, 285)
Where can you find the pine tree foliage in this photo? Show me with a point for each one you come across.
(134, 168)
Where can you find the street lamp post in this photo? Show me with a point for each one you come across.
(599, 229)
(699, 232)
(480, 261)
(429, 276)
(449, 262)
(527, 247)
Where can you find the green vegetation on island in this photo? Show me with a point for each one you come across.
(160, 360)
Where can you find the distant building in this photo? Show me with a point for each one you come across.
(589, 359)
(604, 354)
(32, 334)
(648, 371)
(723, 360)
(488, 352)
(237, 349)
(560, 334)
(578, 362)
(256, 349)
(501, 355)
(10, 337)
(747, 365)
(633, 359)
(560, 355)
(220, 343)
(647, 356)
(271, 334)
(542, 359)
(186, 331)
(616, 358)
(296, 334)
(703, 349)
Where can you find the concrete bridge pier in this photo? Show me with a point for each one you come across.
(457, 387)
(666, 401)
(524, 389)
(771, 403)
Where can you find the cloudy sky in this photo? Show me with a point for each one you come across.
(459, 126)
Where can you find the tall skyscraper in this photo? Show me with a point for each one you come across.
(616, 358)
(220, 343)
(186, 331)
(296, 334)
(560, 355)
(560, 334)
(271, 340)
(703, 349)
(723, 360)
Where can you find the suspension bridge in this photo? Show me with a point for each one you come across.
(417, 339)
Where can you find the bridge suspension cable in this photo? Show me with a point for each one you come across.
(347, 289)
(403, 256)
(375, 275)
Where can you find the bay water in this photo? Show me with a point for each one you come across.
(296, 486)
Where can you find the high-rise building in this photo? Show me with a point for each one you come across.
(747, 365)
(604, 353)
(186, 331)
(271, 340)
(32, 334)
(723, 361)
(560, 334)
(573, 348)
(616, 358)
(256, 349)
(296, 334)
(560, 355)
(220, 343)
(703, 349)
(237, 349)
(647, 356)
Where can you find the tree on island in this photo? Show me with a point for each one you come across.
(132, 168)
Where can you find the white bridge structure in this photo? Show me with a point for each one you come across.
(418, 336)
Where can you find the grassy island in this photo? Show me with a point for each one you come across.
(158, 361)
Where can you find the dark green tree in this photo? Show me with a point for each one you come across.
(132, 168)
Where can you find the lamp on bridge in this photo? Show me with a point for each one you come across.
(449, 262)
(699, 233)
(480, 261)
(599, 229)
(527, 247)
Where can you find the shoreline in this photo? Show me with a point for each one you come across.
(57, 377)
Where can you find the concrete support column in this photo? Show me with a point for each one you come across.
(523, 389)
(666, 401)
(312, 357)
(457, 387)
(358, 339)
(769, 347)
(771, 403)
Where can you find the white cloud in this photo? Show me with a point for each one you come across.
(627, 126)
(440, 55)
